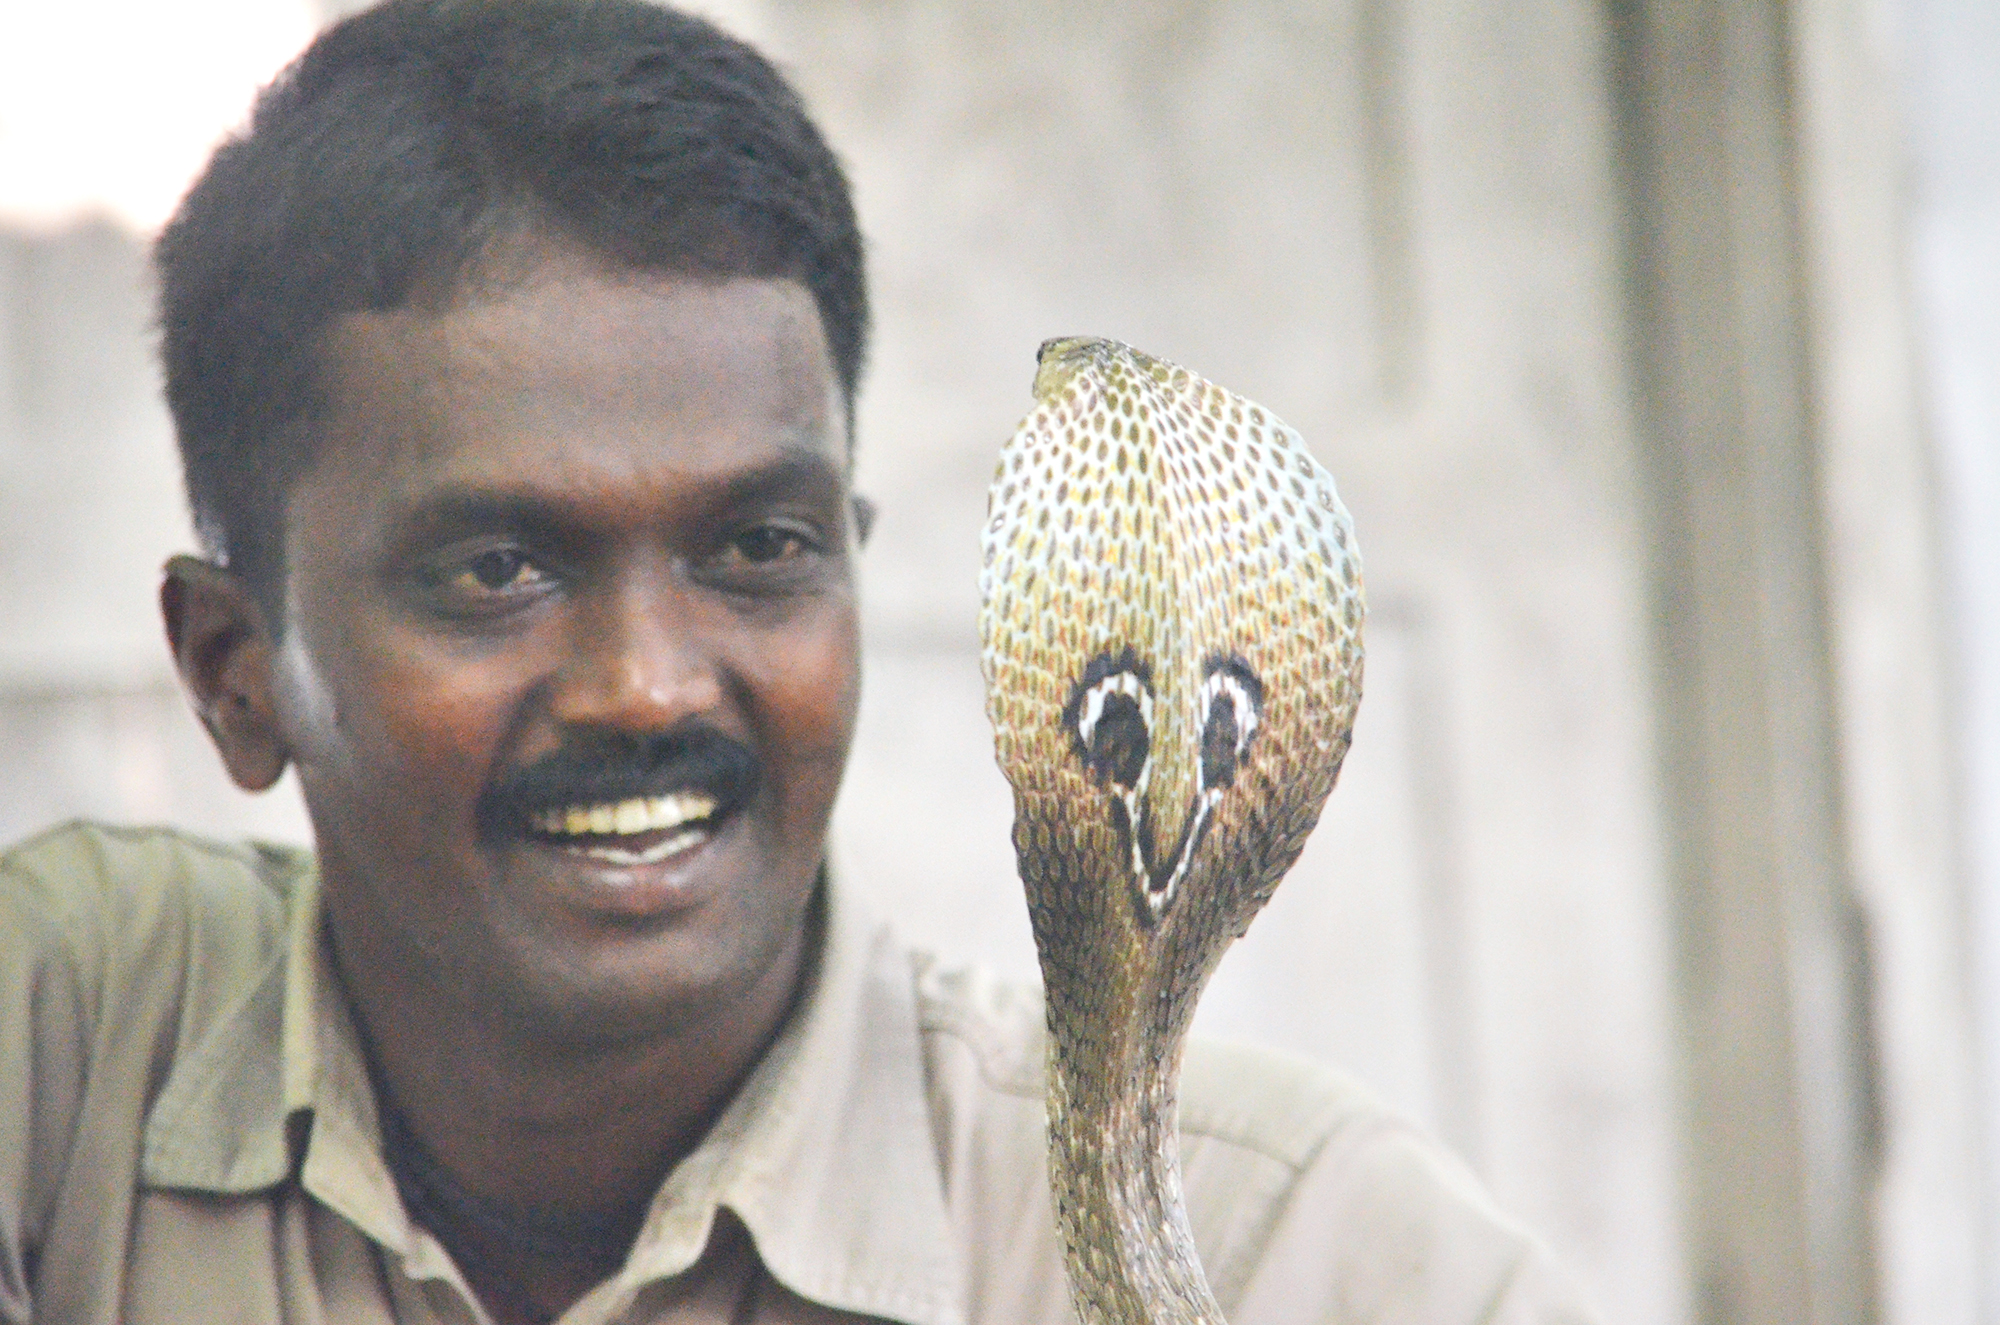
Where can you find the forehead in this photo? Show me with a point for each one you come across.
(581, 375)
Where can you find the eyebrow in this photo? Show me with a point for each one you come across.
(536, 511)
(792, 469)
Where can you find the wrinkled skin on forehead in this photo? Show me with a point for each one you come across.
(1171, 631)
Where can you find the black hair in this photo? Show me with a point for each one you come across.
(408, 142)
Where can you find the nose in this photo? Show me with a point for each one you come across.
(640, 658)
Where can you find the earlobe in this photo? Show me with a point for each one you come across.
(224, 652)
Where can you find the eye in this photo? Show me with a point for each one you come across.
(1221, 740)
(498, 569)
(1115, 737)
(766, 544)
(1110, 717)
(485, 578)
(1232, 700)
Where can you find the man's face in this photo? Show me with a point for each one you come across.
(571, 654)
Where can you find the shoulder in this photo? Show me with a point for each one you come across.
(142, 916)
(1271, 1107)
(94, 886)
(79, 873)
(1281, 1108)
(1309, 1198)
(993, 1024)
(119, 949)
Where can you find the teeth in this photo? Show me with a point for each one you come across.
(626, 818)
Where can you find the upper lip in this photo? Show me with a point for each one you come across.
(639, 786)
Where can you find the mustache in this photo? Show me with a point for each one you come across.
(607, 772)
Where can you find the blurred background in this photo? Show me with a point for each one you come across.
(1656, 347)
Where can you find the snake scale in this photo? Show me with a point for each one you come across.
(1171, 638)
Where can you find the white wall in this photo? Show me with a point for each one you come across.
(1953, 91)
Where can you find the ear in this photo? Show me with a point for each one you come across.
(864, 518)
(224, 651)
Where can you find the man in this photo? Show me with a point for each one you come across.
(512, 353)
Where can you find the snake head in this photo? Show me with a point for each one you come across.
(1171, 636)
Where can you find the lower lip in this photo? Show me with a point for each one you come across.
(629, 883)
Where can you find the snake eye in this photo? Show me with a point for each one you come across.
(1234, 700)
(1117, 743)
(1218, 743)
(1111, 717)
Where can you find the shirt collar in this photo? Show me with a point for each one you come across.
(825, 1153)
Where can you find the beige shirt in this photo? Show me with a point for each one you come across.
(187, 1134)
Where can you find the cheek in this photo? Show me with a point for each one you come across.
(373, 712)
(809, 690)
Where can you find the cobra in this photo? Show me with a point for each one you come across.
(1171, 615)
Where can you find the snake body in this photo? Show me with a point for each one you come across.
(1171, 637)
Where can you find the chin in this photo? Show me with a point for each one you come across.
(627, 986)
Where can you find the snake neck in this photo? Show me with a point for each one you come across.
(1116, 1177)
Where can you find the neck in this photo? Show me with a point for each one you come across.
(526, 1264)
(1116, 1175)
(533, 1158)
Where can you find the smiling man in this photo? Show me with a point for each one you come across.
(512, 353)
